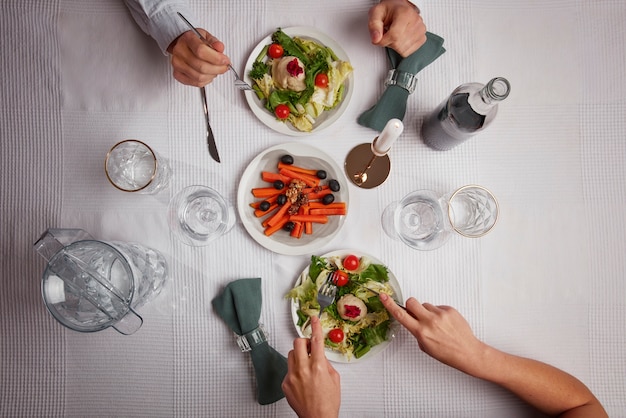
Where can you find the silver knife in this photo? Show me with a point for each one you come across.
(210, 139)
(397, 303)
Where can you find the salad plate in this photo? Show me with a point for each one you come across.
(281, 242)
(324, 120)
(331, 354)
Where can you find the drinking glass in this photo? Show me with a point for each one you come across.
(472, 211)
(132, 166)
(425, 221)
(198, 215)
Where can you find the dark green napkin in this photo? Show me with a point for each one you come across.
(239, 306)
(392, 103)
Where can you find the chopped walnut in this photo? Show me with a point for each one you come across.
(294, 190)
(295, 196)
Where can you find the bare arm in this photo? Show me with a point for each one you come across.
(445, 335)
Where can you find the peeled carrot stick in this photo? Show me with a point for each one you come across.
(272, 177)
(320, 219)
(334, 205)
(280, 214)
(308, 226)
(319, 195)
(328, 211)
(271, 229)
(308, 190)
(309, 180)
(296, 232)
(269, 200)
(265, 191)
(259, 213)
(297, 169)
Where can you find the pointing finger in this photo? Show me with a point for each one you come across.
(317, 339)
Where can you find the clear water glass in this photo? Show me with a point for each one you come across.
(425, 221)
(132, 166)
(198, 215)
(417, 220)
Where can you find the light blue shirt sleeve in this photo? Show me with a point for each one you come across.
(416, 3)
(158, 19)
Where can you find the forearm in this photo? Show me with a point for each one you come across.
(545, 387)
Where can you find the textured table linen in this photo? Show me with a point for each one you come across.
(547, 282)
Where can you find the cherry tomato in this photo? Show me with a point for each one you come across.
(340, 278)
(321, 80)
(275, 51)
(336, 335)
(282, 111)
(351, 262)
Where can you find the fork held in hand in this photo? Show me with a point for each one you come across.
(326, 295)
(239, 83)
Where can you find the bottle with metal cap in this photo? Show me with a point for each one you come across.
(470, 109)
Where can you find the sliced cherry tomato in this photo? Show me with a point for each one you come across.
(321, 80)
(351, 262)
(340, 278)
(336, 335)
(282, 111)
(275, 51)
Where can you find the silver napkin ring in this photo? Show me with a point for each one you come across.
(249, 340)
(402, 79)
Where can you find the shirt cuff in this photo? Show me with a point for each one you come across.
(161, 21)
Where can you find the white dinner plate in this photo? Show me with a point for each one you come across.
(393, 282)
(281, 242)
(327, 118)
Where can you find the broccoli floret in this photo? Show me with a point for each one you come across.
(259, 69)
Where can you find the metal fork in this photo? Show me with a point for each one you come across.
(326, 295)
(239, 83)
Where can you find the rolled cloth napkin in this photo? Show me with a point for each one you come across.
(239, 306)
(401, 82)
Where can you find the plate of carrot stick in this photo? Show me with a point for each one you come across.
(293, 199)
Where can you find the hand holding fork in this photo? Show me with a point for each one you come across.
(239, 83)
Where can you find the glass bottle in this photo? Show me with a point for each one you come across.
(470, 108)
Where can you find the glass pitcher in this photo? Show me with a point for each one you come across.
(90, 285)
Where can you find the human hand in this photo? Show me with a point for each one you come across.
(312, 385)
(397, 24)
(194, 63)
(441, 332)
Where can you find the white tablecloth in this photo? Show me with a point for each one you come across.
(547, 282)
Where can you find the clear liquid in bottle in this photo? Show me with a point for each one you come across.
(469, 109)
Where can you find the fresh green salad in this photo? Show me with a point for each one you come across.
(298, 79)
(357, 320)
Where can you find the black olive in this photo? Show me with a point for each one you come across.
(281, 199)
(265, 205)
(321, 174)
(286, 159)
(279, 185)
(334, 185)
(328, 199)
(289, 226)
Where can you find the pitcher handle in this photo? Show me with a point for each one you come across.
(129, 324)
(54, 239)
